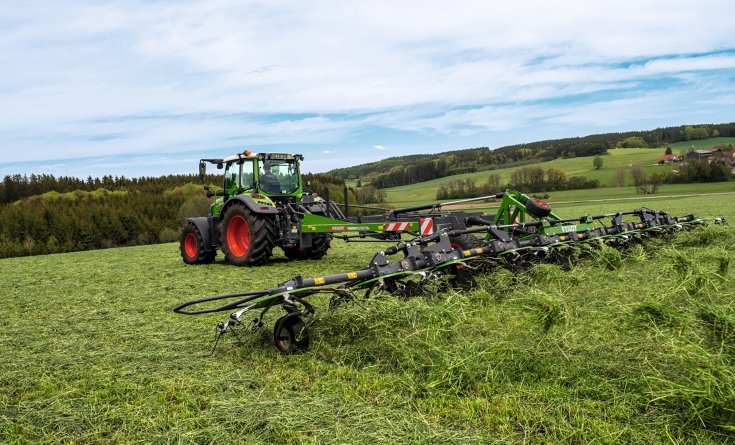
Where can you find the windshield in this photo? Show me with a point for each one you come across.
(279, 176)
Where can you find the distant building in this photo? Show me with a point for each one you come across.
(669, 159)
(703, 154)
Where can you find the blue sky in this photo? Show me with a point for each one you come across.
(147, 88)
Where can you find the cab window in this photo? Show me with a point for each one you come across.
(239, 176)
(279, 176)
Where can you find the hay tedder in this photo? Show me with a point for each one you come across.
(459, 247)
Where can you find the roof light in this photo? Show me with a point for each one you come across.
(247, 153)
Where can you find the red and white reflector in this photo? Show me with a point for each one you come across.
(427, 226)
(392, 227)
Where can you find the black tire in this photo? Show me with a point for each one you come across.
(291, 335)
(538, 208)
(247, 238)
(191, 244)
(319, 247)
(465, 242)
(295, 253)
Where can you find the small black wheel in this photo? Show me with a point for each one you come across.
(295, 253)
(291, 335)
(319, 247)
(191, 244)
(538, 207)
(465, 242)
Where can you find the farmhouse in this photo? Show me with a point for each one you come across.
(669, 159)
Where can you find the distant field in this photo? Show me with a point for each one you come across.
(701, 144)
(618, 158)
(415, 194)
(91, 352)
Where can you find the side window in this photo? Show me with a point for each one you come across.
(239, 175)
(231, 175)
(247, 175)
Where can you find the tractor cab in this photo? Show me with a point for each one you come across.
(267, 176)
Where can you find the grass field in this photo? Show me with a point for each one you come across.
(638, 351)
(701, 144)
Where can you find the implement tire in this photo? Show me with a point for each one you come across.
(291, 335)
(191, 244)
(247, 238)
(295, 253)
(538, 208)
(319, 247)
(465, 242)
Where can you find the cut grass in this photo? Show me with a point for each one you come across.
(92, 353)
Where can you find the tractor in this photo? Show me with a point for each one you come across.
(256, 210)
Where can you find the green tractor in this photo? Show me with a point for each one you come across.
(256, 210)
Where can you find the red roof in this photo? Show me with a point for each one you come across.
(668, 158)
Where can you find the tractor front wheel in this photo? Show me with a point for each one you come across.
(246, 237)
(191, 244)
(291, 335)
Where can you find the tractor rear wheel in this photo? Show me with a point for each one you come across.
(191, 244)
(291, 335)
(247, 238)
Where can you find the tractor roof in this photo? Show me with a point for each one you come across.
(265, 156)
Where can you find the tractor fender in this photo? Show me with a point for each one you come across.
(250, 203)
(202, 224)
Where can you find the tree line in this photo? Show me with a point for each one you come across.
(526, 180)
(57, 218)
(16, 187)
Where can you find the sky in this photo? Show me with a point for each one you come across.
(148, 88)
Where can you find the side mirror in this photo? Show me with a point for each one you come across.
(219, 166)
(202, 171)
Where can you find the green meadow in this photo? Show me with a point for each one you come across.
(647, 158)
(633, 347)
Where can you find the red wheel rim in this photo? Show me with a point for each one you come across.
(190, 245)
(455, 246)
(238, 236)
(541, 203)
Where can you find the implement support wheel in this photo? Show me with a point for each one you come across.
(538, 208)
(291, 335)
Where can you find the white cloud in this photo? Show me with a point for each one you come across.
(378, 147)
(120, 79)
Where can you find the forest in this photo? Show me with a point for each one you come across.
(42, 214)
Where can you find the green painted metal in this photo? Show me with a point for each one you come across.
(321, 224)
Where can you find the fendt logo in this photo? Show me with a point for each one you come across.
(568, 229)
